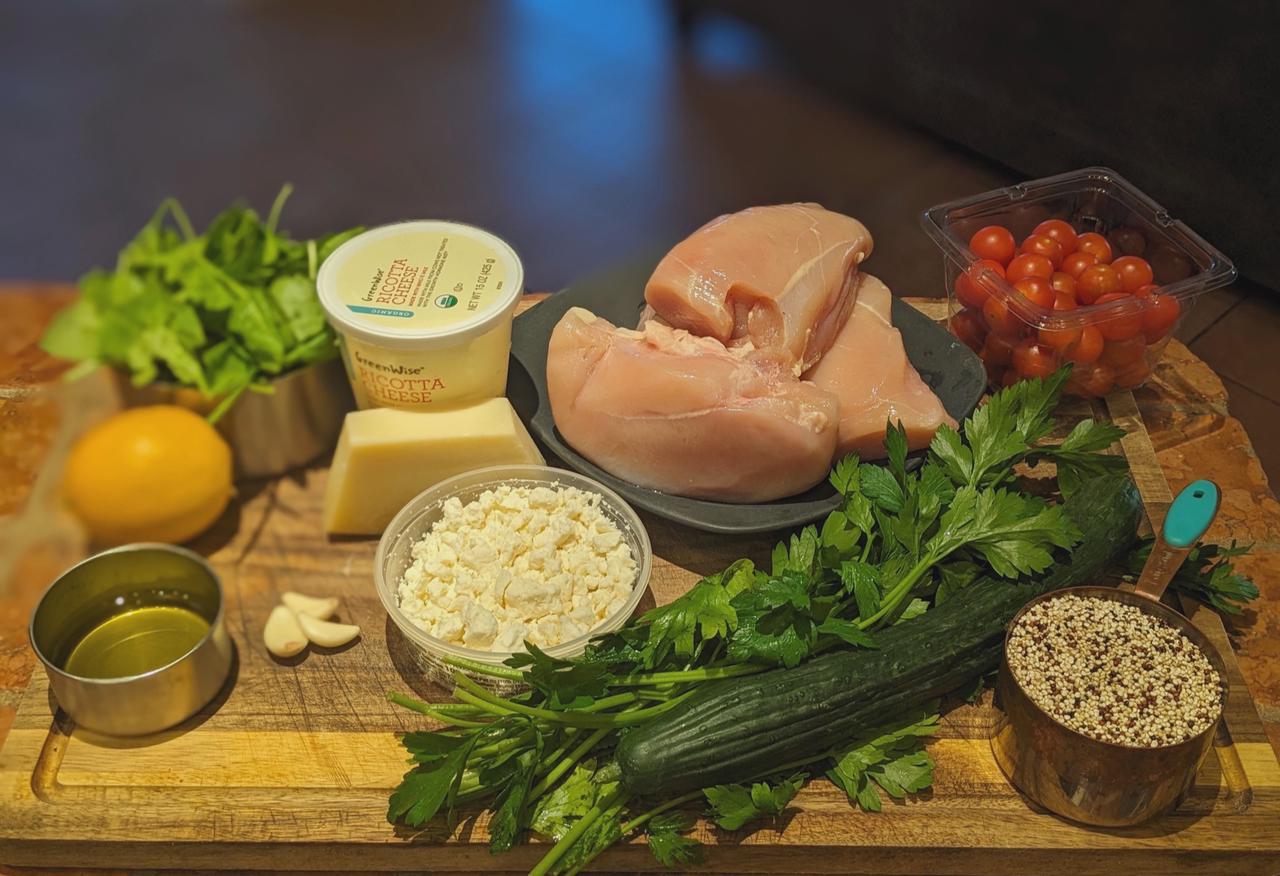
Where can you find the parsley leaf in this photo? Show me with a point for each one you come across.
(881, 487)
(863, 580)
(1207, 575)
(669, 844)
(701, 615)
(566, 684)
(573, 798)
(426, 787)
(1011, 531)
(508, 820)
(733, 806)
(891, 758)
(774, 623)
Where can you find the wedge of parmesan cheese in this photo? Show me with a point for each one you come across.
(385, 457)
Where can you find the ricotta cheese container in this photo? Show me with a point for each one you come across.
(423, 313)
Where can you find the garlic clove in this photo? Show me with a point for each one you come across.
(282, 634)
(326, 634)
(318, 607)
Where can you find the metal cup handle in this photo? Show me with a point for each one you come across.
(1186, 521)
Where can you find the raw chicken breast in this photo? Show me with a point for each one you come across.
(682, 414)
(780, 276)
(868, 371)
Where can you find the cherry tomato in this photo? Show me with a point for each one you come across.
(1043, 244)
(1169, 265)
(1120, 321)
(1091, 382)
(993, 242)
(1129, 241)
(967, 325)
(1159, 315)
(1088, 348)
(1029, 264)
(995, 374)
(1001, 322)
(1132, 374)
(1096, 281)
(1034, 360)
(996, 351)
(1118, 354)
(1146, 291)
(1096, 245)
(1062, 337)
(1010, 378)
(1060, 231)
(973, 287)
(1075, 263)
(1134, 272)
(1063, 282)
(1037, 291)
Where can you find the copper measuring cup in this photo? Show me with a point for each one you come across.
(1088, 780)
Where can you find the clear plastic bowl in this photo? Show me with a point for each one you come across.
(394, 556)
(1093, 199)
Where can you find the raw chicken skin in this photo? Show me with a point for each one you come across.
(682, 414)
(781, 276)
(868, 371)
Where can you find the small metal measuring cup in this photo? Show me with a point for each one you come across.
(1085, 779)
(94, 589)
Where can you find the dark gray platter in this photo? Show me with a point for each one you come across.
(948, 366)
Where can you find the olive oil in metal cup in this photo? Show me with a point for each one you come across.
(133, 638)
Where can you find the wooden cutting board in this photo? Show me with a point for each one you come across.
(291, 766)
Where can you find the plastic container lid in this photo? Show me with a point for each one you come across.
(420, 285)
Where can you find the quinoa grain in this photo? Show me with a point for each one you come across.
(1114, 673)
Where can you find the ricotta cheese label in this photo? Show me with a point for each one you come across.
(423, 278)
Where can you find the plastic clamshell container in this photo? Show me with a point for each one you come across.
(423, 313)
(395, 555)
(1093, 199)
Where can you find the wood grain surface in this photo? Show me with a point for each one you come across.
(291, 767)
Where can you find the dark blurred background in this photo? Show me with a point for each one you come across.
(585, 131)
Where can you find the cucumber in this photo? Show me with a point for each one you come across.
(743, 727)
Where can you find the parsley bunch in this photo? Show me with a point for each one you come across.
(222, 312)
(908, 534)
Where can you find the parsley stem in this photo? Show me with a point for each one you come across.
(566, 763)
(448, 713)
(640, 819)
(502, 746)
(900, 591)
(470, 692)
(575, 833)
(688, 675)
(485, 668)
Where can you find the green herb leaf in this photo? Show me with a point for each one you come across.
(424, 789)
(847, 631)
(880, 486)
(700, 615)
(863, 580)
(508, 822)
(566, 684)
(669, 844)
(1207, 574)
(1011, 531)
(733, 806)
(891, 758)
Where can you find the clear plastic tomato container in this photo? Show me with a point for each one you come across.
(1021, 330)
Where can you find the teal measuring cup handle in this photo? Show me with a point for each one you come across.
(1185, 521)
(1190, 514)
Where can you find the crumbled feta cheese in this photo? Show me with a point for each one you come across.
(542, 564)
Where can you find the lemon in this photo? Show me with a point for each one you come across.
(157, 473)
